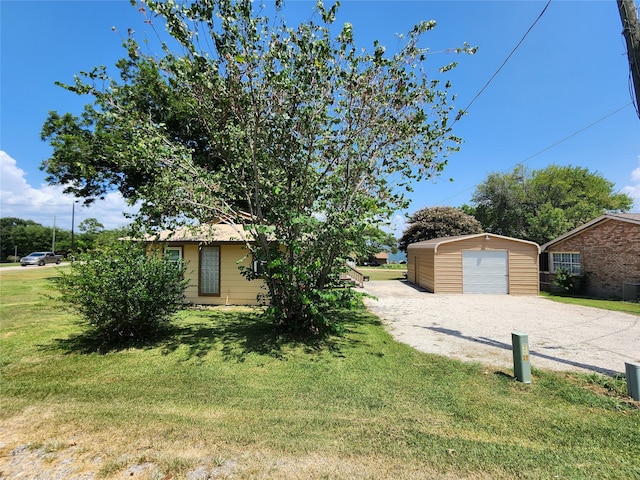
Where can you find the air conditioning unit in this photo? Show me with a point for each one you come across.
(631, 292)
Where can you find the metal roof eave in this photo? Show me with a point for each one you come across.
(434, 243)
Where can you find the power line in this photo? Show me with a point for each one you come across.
(572, 135)
(546, 148)
(465, 110)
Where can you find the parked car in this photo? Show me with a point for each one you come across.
(40, 258)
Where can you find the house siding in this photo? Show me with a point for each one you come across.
(448, 264)
(610, 256)
(523, 270)
(425, 275)
(234, 288)
(411, 268)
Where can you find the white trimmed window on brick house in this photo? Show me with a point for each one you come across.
(571, 261)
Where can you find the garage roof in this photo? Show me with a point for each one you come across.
(434, 243)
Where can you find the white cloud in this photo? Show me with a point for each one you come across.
(45, 203)
(397, 225)
(634, 190)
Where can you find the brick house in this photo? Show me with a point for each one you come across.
(604, 253)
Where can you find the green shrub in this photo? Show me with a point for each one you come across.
(122, 293)
(564, 280)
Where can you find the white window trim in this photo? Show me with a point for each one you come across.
(258, 267)
(571, 263)
(176, 249)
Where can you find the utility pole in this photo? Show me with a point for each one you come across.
(73, 218)
(631, 32)
(53, 239)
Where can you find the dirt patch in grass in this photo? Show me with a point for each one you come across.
(107, 455)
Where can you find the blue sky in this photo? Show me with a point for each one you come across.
(570, 72)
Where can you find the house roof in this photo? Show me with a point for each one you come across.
(217, 232)
(621, 217)
(434, 243)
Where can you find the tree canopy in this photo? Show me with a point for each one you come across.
(312, 137)
(436, 222)
(540, 205)
(26, 236)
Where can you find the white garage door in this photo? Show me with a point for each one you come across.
(485, 272)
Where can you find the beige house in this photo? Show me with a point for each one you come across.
(213, 254)
(477, 263)
(604, 253)
(381, 258)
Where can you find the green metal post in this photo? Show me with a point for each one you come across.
(521, 363)
(633, 379)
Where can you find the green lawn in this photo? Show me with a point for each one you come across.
(223, 394)
(386, 272)
(615, 305)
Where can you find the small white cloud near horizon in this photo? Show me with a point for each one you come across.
(47, 204)
(634, 190)
(397, 225)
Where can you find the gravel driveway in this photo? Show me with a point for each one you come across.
(478, 328)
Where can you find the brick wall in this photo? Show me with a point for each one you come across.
(610, 256)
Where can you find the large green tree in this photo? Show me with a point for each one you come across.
(540, 205)
(26, 236)
(29, 236)
(313, 137)
(436, 222)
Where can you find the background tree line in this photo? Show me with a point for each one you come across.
(29, 236)
(540, 205)
(535, 205)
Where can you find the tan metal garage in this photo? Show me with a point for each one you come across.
(478, 263)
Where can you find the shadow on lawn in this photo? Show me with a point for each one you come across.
(237, 334)
(234, 332)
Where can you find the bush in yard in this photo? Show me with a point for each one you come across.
(564, 280)
(123, 293)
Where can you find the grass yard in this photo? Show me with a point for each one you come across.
(385, 272)
(223, 397)
(614, 305)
